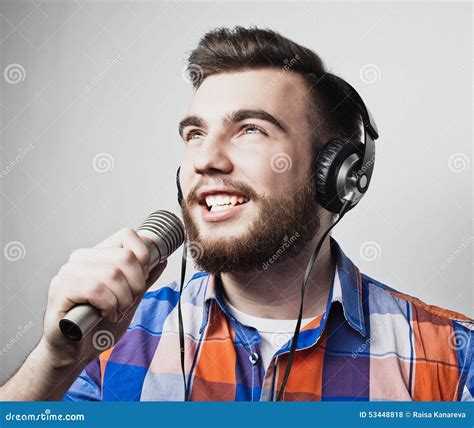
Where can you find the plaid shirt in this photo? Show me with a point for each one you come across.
(371, 343)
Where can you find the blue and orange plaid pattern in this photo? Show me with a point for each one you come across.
(374, 344)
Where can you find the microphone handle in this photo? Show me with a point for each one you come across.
(83, 317)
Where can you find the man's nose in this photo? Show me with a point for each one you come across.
(213, 158)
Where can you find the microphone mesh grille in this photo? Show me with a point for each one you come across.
(167, 226)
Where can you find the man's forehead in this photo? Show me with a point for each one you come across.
(271, 89)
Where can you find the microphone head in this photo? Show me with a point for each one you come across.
(165, 230)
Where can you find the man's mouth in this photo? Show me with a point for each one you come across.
(223, 201)
(220, 204)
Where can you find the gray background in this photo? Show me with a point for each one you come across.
(106, 77)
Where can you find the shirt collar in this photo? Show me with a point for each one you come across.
(347, 289)
(350, 289)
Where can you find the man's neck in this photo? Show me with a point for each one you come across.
(275, 292)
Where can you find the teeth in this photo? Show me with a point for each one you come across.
(220, 202)
(219, 208)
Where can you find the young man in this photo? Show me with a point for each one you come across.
(264, 107)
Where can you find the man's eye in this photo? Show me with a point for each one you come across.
(192, 135)
(253, 129)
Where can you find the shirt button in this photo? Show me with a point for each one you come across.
(254, 358)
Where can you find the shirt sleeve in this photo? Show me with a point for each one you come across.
(87, 386)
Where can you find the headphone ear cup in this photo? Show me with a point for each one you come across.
(178, 186)
(327, 165)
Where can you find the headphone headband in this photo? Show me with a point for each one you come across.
(370, 135)
(368, 120)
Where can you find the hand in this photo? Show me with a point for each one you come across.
(113, 277)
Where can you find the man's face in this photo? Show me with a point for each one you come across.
(246, 166)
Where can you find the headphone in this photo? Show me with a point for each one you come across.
(343, 166)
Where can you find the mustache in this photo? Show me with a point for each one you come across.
(241, 187)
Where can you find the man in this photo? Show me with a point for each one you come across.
(262, 111)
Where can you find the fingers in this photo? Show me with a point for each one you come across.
(106, 274)
(123, 259)
(128, 238)
(68, 290)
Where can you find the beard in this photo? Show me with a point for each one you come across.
(285, 223)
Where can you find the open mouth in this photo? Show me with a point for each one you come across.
(222, 201)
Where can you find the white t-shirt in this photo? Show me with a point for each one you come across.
(273, 332)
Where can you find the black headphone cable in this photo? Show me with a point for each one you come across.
(180, 320)
(312, 261)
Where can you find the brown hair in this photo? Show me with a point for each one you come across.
(332, 114)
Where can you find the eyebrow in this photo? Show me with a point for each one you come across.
(234, 117)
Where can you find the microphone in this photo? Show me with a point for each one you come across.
(162, 232)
